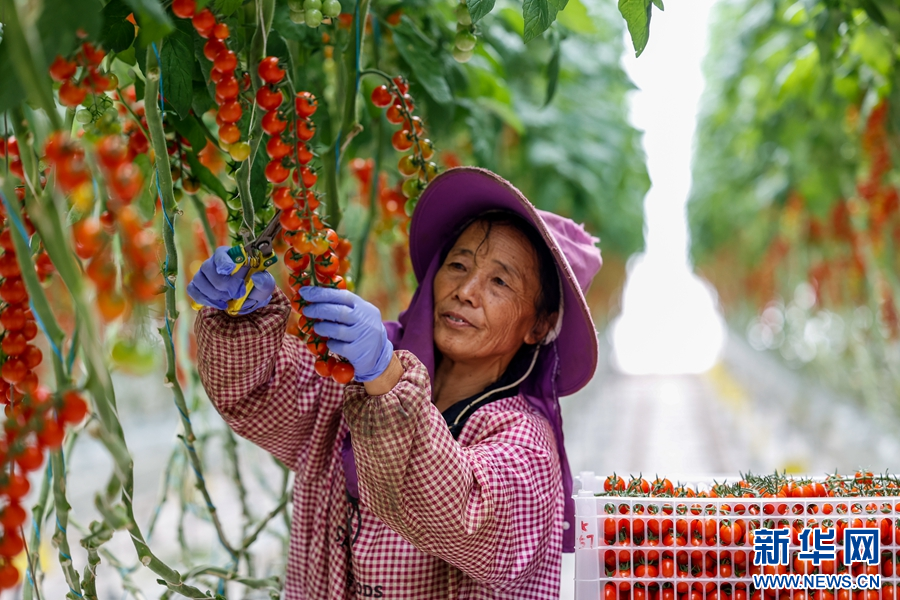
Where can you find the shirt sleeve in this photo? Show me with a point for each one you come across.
(487, 508)
(262, 381)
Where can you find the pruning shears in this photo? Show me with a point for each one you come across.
(258, 254)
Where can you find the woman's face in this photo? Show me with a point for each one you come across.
(484, 296)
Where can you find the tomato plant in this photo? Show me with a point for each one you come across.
(806, 230)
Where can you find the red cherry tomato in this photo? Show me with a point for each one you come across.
(71, 95)
(268, 99)
(184, 9)
(203, 22)
(276, 172)
(62, 69)
(343, 372)
(382, 97)
(269, 71)
(306, 104)
(272, 124)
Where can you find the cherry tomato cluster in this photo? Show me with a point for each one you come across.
(73, 174)
(182, 175)
(223, 74)
(465, 40)
(74, 89)
(141, 279)
(311, 12)
(35, 419)
(417, 166)
(390, 199)
(657, 546)
(315, 252)
(9, 149)
(134, 129)
(861, 484)
(35, 423)
(19, 357)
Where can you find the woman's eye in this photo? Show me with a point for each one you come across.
(499, 281)
(456, 265)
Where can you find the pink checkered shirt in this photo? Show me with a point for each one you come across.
(479, 517)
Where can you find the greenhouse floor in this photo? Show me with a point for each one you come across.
(749, 413)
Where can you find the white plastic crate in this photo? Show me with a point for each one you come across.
(593, 543)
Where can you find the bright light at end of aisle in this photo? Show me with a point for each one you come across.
(670, 322)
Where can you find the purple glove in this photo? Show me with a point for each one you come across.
(353, 328)
(213, 286)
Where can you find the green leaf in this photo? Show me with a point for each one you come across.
(538, 14)
(201, 101)
(228, 7)
(479, 8)
(659, 4)
(576, 18)
(205, 176)
(59, 21)
(514, 20)
(191, 130)
(258, 182)
(177, 63)
(419, 54)
(289, 30)
(11, 92)
(155, 24)
(146, 201)
(506, 113)
(874, 12)
(556, 6)
(637, 17)
(118, 33)
(553, 70)
(128, 57)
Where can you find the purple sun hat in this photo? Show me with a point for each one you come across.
(460, 194)
(567, 358)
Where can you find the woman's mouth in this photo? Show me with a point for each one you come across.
(455, 320)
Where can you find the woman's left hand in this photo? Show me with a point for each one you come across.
(353, 328)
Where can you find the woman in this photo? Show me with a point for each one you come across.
(440, 472)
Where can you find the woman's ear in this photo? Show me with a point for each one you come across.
(541, 328)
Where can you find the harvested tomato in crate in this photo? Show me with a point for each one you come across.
(768, 537)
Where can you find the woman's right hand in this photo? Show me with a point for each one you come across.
(213, 285)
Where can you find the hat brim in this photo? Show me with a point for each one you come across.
(459, 194)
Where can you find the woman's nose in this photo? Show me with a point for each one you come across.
(469, 289)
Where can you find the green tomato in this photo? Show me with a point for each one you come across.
(410, 187)
(234, 204)
(298, 17)
(239, 151)
(466, 40)
(83, 116)
(133, 357)
(295, 5)
(462, 56)
(331, 8)
(410, 206)
(462, 15)
(313, 17)
(312, 4)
